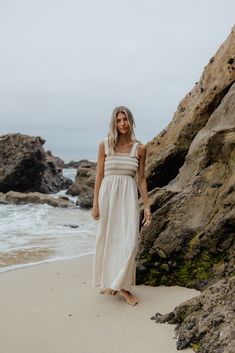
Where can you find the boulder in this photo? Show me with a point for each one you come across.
(83, 187)
(205, 322)
(20, 198)
(25, 166)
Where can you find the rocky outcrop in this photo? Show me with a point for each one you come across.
(83, 187)
(191, 239)
(167, 151)
(206, 322)
(55, 160)
(20, 198)
(25, 166)
(74, 164)
(191, 178)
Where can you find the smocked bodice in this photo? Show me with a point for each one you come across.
(121, 163)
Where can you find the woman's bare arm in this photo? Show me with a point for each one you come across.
(142, 184)
(98, 179)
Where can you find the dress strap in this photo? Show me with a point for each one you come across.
(134, 149)
(106, 145)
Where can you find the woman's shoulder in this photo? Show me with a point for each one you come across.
(140, 144)
(103, 141)
(101, 146)
(104, 145)
(141, 149)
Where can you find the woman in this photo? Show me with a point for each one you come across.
(120, 170)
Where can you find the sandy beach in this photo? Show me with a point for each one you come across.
(52, 308)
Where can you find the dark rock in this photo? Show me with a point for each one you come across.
(190, 324)
(208, 318)
(25, 166)
(71, 225)
(183, 343)
(83, 187)
(85, 198)
(218, 319)
(55, 160)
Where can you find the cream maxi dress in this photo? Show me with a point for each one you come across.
(114, 264)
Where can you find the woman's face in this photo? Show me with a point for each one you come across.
(123, 125)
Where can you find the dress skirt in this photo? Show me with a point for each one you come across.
(114, 263)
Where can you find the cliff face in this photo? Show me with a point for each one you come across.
(191, 239)
(167, 151)
(191, 178)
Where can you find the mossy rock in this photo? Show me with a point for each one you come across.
(194, 243)
(151, 278)
(195, 346)
(193, 272)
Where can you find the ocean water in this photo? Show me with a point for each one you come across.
(32, 234)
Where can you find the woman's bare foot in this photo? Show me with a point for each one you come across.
(108, 291)
(130, 298)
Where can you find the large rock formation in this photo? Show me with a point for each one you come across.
(167, 151)
(25, 166)
(193, 214)
(191, 178)
(83, 186)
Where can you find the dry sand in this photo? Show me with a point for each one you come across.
(52, 308)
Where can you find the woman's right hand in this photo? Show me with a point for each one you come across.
(147, 217)
(95, 212)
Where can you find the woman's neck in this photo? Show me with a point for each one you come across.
(124, 139)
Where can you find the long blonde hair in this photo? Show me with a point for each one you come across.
(113, 133)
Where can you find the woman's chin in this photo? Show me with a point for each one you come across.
(123, 132)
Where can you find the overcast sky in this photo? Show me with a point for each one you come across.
(65, 64)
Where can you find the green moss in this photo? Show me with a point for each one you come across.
(148, 258)
(195, 346)
(198, 269)
(189, 271)
(194, 243)
(164, 280)
(152, 277)
(165, 267)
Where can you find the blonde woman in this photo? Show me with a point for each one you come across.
(120, 173)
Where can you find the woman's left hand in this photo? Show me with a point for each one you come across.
(147, 217)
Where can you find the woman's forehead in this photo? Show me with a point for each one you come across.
(120, 114)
